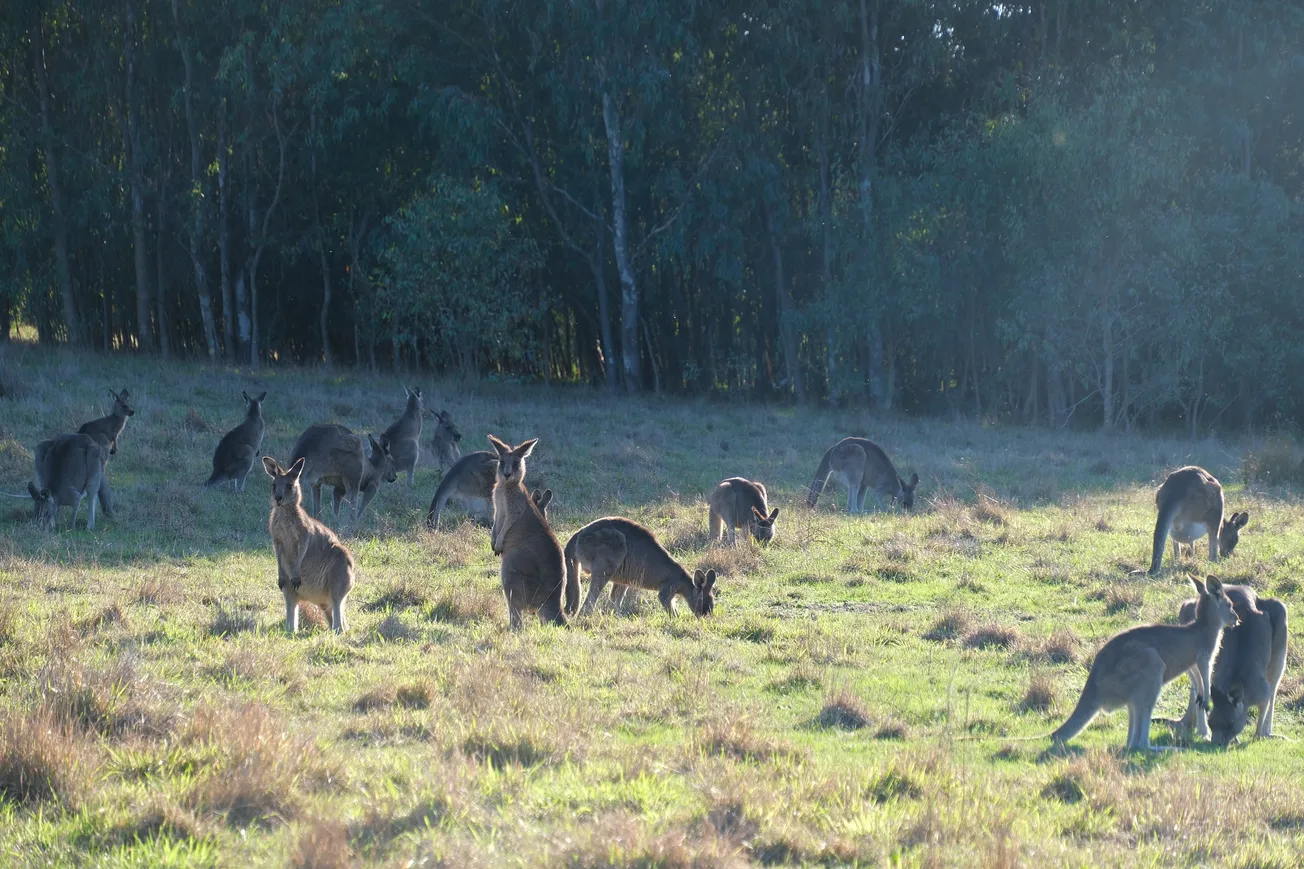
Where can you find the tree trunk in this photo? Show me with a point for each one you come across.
(161, 294)
(599, 265)
(629, 300)
(195, 197)
(59, 219)
(1107, 382)
(325, 303)
(136, 176)
(230, 307)
(871, 111)
(787, 331)
(826, 253)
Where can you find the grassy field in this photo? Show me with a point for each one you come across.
(153, 711)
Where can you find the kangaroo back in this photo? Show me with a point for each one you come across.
(69, 468)
(1188, 495)
(470, 478)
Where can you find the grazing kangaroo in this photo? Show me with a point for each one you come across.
(107, 429)
(622, 551)
(312, 564)
(862, 467)
(69, 467)
(1190, 506)
(469, 482)
(1132, 668)
(334, 455)
(445, 439)
(739, 502)
(533, 572)
(404, 436)
(1249, 666)
(234, 457)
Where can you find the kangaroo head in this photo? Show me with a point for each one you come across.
(703, 602)
(255, 404)
(763, 526)
(285, 484)
(414, 399)
(1229, 715)
(46, 510)
(120, 405)
(1214, 599)
(511, 460)
(906, 491)
(1230, 532)
(446, 427)
(382, 459)
(542, 500)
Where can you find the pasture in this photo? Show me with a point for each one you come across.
(851, 702)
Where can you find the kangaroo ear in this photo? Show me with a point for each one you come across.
(1242, 518)
(698, 578)
(710, 582)
(774, 514)
(270, 466)
(526, 448)
(914, 479)
(115, 395)
(1214, 584)
(245, 396)
(296, 469)
(418, 392)
(502, 448)
(1199, 586)
(261, 396)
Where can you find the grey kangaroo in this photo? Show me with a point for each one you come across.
(107, 429)
(1190, 504)
(404, 436)
(444, 442)
(69, 467)
(469, 482)
(533, 572)
(1249, 666)
(335, 456)
(1132, 668)
(862, 467)
(622, 551)
(312, 564)
(234, 457)
(738, 502)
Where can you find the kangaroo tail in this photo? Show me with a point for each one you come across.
(215, 478)
(442, 493)
(1167, 510)
(821, 477)
(1088, 706)
(572, 578)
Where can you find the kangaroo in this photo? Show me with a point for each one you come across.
(444, 442)
(740, 502)
(1249, 666)
(1132, 668)
(1190, 506)
(404, 436)
(234, 457)
(622, 551)
(69, 467)
(469, 482)
(533, 572)
(862, 467)
(334, 455)
(107, 429)
(311, 563)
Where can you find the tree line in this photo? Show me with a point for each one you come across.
(1063, 211)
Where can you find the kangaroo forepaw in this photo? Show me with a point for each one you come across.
(296, 582)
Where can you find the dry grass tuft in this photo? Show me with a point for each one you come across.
(845, 711)
(44, 759)
(399, 594)
(894, 784)
(455, 547)
(195, 422)
(8, 623)
(322, 844)
(159, 818)
(466, 604)
(110, 615)
(1277, 462)
(621, 841)
(381, 697)
(417, 695)
(893, 730)
(504, 745)
(1118, 598)
(156, 591)
(87, 697)
(314, 616)
(1061, 647)
(734, 735)
(990, 510)
(228, 623)
(950, 624)
(744, 559)
(392, 629)
(753, 630)
(1041, 694)
(992, 637)
(803, 677)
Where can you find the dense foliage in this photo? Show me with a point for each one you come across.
(1084, 212)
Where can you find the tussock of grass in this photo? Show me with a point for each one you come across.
(894, 785)
(992, 637)
(455, 546)
(195, 422)
(950, 625)
(157, 591)
(1276, 462)
(228, 622)
(1119, 598)
(845, 711)
(467, 604)
(8, 623)
(1061, 647)
(503, 745)
(744, 559)
(44, 759)
(393, 629)
(160, 818)
(753, 630)
(322, 844)
(803, 677)
(399, 594)
(110, 615)
(734, 735)
(417, 695)
(1041, 693)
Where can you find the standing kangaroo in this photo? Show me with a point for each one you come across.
(107, 429)
(469, 482)
(1190, 506)
(404, 436)
(234, 457)
(533, 572)
(69, 468)
(334, 455)
(622, 551)
(862, 467)
(738, 502)
(444, 441)
(1249, 666)
(1132, 668)
(312, 564)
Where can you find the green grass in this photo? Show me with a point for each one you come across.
(153, 712)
